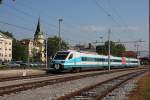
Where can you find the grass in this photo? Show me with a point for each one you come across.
(2, 66)
(142, 91)
(146, 92)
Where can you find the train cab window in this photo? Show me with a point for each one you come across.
(71, 56)
(61, 56)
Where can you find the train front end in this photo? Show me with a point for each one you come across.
(59, 60)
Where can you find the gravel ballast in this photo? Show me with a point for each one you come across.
(52, 92)
(121, 93)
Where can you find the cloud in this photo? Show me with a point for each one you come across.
(94, 28)
(128, 28)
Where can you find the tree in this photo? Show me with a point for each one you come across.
(52, 45)
(120, 50)
(1, 1)
(9, 34)
(19, 51)
(112, 48)
(115, 49)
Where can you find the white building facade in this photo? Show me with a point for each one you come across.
(5, 48)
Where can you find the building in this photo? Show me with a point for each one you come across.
(36, 46)
(5, 48)
(100, 49)
(39, 44)
(85, 47)
(130, 54)
(30, 47)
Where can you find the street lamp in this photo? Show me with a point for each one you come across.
(59, 44)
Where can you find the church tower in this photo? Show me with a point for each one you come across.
(39, 44)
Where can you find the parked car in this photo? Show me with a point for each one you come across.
(39, 64)
(23, 64)
(31, 64)
(36, 64)
(13, 64)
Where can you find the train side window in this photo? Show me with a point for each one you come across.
(84, 59)
(71, 56)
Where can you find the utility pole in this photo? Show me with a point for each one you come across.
(149, 29)
(102, 43)
(59, 44)
(46, 51)
(28, 55)
(137, 49)
(109, 31)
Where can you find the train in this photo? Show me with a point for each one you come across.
(78, 60)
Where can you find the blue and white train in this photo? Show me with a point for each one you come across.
(74, 60)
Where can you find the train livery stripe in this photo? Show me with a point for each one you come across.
(83, 60)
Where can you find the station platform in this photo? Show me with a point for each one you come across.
(20, 72)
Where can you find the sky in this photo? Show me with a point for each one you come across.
(84, 21)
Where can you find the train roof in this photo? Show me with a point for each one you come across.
(87, 53)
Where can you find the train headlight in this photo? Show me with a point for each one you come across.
(56, 66)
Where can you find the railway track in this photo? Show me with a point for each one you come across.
(100, 90)
(24, 77)
(12, 88)
(50, 74)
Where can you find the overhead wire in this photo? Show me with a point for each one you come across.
(52, 17)
(31, 16)
(119, 16)
(126, 27)
(18, 10)
(106, 12)
(117, 13)
(17, 26)
(27, 14)
(47, 15)
(110, 15)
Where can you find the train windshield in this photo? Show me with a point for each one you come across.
(61, 56)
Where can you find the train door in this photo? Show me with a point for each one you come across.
(73, 60)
